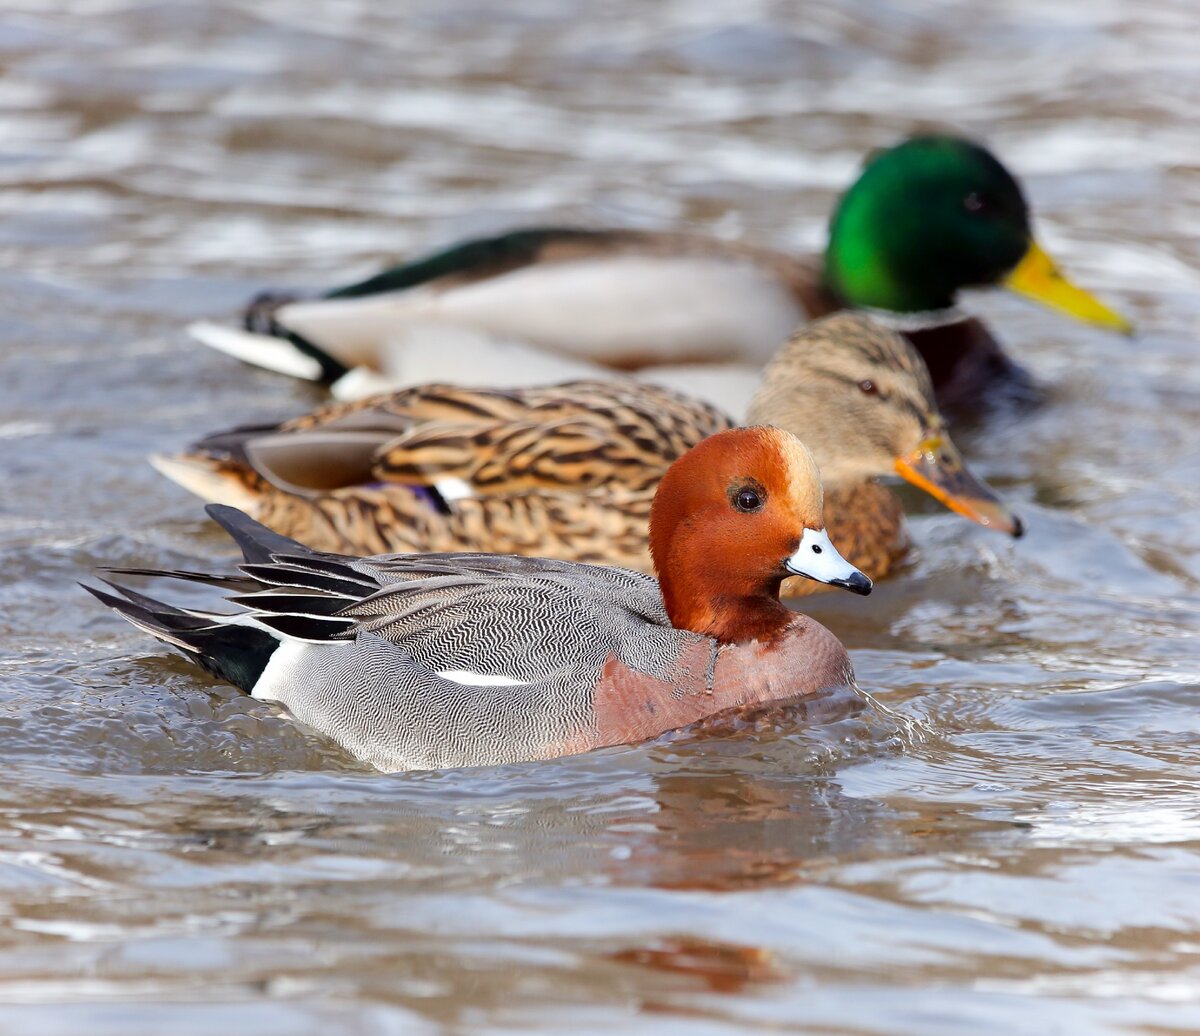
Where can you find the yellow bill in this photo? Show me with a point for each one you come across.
(1038, 277)
(937, 467)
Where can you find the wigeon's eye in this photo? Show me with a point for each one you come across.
(868, 387)
(747, 496)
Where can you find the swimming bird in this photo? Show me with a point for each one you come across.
(443, 660)
(569, 471)
(925, 219)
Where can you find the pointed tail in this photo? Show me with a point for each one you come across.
(234, 652)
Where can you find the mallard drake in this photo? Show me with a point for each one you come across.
(439, 660)
(568, 471)
(926, 218)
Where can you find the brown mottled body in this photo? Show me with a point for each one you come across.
(599, 526)
(578, 435)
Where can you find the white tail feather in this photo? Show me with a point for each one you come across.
(274, 354)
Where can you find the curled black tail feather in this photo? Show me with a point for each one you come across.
(236, 653)
(259, 314)
(259, 317)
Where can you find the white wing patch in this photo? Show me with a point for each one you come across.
(451, 489)
(470, 679)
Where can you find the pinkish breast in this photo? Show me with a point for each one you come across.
(631, 707)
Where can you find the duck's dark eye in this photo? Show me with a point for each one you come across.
(747, 496)
(976, 203)
(869, 388)
(748, 500)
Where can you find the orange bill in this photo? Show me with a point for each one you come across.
(937, 467)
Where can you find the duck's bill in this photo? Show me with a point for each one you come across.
(937, 467)
(817, 558)
(1038, 277)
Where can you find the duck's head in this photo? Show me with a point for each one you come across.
(860, 395)
(936, 214)
(732, 518)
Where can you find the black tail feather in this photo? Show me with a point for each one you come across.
(257, 542)
(235, 653)
(153, 616)
(298, 601)
(172, 618)
(285, 575)
(243, 584)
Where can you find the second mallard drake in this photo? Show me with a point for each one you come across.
(569, 471)
(924, 220)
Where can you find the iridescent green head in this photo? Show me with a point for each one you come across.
(926, 218)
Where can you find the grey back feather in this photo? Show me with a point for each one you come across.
(374, 684)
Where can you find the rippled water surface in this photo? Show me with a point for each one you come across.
(1009, 842)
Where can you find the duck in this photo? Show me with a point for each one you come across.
(432, 661)
(926, 218)
(569, 471)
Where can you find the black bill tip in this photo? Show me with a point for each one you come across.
(857, 583)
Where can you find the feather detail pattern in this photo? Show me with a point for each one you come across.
(582, 434)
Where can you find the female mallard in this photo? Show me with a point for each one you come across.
(924, 219)
(419, 662)
(568, 471)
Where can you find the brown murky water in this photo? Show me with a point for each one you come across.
(1010, 843)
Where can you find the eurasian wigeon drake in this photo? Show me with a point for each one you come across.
(925, 219)
(444, 660)
(568, 471)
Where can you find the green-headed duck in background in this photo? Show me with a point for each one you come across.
(925, 219)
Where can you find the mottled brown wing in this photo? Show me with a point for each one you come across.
(565, 471)
(604, 526)
(406, 408)
(572, 437)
